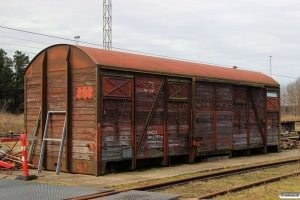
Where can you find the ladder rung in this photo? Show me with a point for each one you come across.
(53, 112)
(31, 138)
(52, 139)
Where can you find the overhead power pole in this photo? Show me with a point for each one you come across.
(270, 66)
(107, 12)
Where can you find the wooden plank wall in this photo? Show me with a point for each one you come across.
(33, 104)
(82, 120)
(116, 128)
(116, 125)
(204, 115)
(56, 101)
(178, 116)
(240, 127)
(178, 127)
(231, 119)
(224, 116)
(146, 88)
(272, 127)
(83, 113)
(259, 100)
(273, 107)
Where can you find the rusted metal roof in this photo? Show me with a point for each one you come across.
(156, 65)
(137, 62)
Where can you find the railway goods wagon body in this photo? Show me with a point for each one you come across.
(124, 109)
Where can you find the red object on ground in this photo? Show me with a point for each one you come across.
(6, 165)
(24, 154)
(9, 139)
(25, 176)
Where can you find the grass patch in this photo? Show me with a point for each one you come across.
(267, 191)
(199, 188)
(154, 181)
(14, 122)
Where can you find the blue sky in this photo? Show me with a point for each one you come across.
(227, 33)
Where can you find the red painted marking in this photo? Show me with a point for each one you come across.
(84, 93)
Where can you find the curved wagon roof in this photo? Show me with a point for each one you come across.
(141, 63)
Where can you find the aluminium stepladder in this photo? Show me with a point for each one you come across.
(52, 139)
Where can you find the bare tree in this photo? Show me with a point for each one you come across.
(290, 98)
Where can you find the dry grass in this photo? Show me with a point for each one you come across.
(12, 122)
(268, 191)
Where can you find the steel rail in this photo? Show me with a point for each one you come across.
(277, 178)
(157, 186)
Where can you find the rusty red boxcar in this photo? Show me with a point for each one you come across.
(124, 109)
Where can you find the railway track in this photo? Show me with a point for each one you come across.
(159, 186)
(234, 189)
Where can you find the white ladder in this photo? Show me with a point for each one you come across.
(52, 139)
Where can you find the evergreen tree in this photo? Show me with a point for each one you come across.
(20, 62)
(12, 81)
(6, 80)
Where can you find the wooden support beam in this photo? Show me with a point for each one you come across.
(166, 143)
(192, 136)
(44, 100)
(133, 161)
(215, 116)
(68, 151)
(248, 118)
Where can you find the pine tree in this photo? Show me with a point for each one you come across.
(20, 62)
(12, 81)
(6, 80)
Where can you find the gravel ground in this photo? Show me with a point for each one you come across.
(149, 174)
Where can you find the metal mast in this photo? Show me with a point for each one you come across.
(107, 11)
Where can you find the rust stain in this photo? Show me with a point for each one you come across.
(91, 147)
(82, 167)
(196, 143)
(121, 60)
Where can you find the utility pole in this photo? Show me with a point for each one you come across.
(270, 66)
(77, 39)
(107, 33)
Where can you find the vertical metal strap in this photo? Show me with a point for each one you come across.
(44, 93)
(133, 133)
(248, 119)
(68, 111)
(192, 135)
(215, 116)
